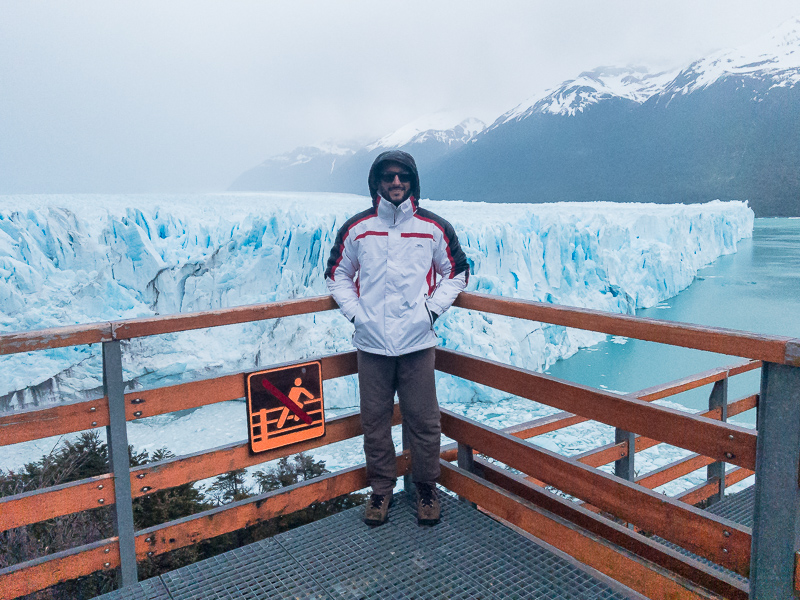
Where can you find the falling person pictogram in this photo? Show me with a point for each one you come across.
(294, 395)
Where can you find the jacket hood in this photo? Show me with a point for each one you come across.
(398, 156)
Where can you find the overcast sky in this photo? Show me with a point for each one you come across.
(164, 95)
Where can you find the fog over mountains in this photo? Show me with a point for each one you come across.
(726, 126)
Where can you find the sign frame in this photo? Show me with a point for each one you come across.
(273, 402)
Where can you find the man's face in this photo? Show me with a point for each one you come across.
(395, 182)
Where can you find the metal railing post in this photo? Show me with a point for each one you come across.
(777, 495)
(718, 399)
(466, 461)
(117, 437)
(624, 467)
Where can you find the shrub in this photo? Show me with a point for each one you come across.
(87, 456)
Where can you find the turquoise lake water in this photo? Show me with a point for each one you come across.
(757, 289)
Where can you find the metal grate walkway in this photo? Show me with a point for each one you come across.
(468, 555)
(737, 507)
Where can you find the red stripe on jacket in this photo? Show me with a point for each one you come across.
(447, 242)
(417, 235)
(366, 233)
(431, 280)
(341, 246)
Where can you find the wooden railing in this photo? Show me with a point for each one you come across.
(608, 502)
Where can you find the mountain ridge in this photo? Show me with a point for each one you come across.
(721, 127)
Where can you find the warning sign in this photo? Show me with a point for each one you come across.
(284, 406)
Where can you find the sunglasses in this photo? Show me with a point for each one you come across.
(389, 177)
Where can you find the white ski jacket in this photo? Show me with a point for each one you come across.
(390, 268)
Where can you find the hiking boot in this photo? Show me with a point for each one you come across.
(429, 510)
(377, 509)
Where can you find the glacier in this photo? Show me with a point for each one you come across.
(69, 259)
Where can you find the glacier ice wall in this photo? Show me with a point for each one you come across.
(81, 259)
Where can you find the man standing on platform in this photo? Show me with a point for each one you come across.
(393, 270)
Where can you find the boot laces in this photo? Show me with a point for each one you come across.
(377, 500)
(427, 494)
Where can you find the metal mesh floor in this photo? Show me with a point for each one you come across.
(467, 556)
(151, 589)
(737, 507)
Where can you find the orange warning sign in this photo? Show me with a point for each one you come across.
(284, 406)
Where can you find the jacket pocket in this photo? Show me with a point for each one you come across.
(366, 330)
(428, 310)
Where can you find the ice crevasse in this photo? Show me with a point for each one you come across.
(80, 259)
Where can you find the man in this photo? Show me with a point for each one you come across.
(393, 270)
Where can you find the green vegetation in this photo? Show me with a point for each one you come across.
(88, 457)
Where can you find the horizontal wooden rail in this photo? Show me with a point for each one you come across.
(603, 455)
(628, 569)
(28, 577)
(721, 441)
(56, 337)
(611, 452)
(28, 425)
(719, 540)
(36, 423)
(695, 381)
(141, 404)
(133, 328)
(777, 349)
(56, 501)
(597, 457)
(245, 513)
(705, 490)
(672, 471)
(543, 425)
(39, 505)
(31, 576)
(92, 333)
(662, 555)
(743, 405)
(150, 478)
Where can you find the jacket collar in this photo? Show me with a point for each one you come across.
(394, 215)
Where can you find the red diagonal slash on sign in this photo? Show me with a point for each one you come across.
(287, 402)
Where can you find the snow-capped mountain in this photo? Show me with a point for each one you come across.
(343, 168)
(304, 169)
(774, 58)
(590, 87)
(724, 127)
(441, 127)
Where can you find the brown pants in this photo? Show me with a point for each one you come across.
(412, 377)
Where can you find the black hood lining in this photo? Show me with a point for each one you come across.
(398, 156)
